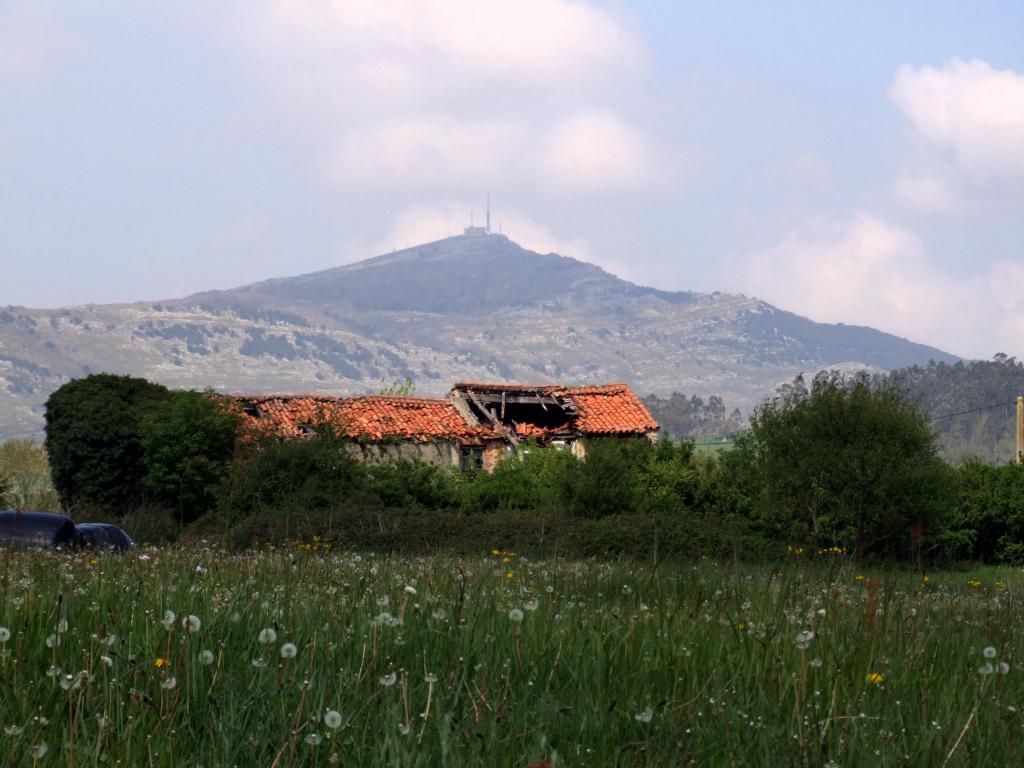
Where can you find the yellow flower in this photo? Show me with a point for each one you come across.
(495, 552)
(510, 575)
(95, 562)
(876, 678)
(858, 578)
(160, 662)
(741, 627)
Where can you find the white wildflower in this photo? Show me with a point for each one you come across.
(803, 639)
(268, 635)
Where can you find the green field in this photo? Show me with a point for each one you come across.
(306, 657)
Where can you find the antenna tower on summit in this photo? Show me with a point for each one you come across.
(472, 229)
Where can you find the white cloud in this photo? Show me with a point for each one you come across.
(866, 271)
(421, 151)
(452, 94)
(969, 109)
(925, 193)
(541, 39)
(595, 151)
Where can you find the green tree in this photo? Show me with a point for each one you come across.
(988, 524)
(187, 446)
(25, 465)
(281, 476)
(532, 479)
(93, 440)
(608, 482)
(843, 463)
(5, 490)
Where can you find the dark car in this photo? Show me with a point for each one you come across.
(103, 536)
(25, 530)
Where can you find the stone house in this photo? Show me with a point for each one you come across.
(472, 428)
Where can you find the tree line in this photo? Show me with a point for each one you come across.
(829, 465)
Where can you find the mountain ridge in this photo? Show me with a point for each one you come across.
(465, 307)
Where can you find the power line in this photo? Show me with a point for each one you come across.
(973, 410)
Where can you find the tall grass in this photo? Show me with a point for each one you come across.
(427, 663)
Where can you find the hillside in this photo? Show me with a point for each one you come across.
(467, 307)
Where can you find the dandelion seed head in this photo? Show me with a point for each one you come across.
(289, 651)
(206, 658)
(5, 634)
(268, 635)
(989, 652)
(515, 615)
(645, 716)
(332, 719)
(191, 623)
(388, 680)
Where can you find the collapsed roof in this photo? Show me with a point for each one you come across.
(472, 414)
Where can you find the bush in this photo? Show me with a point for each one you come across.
(318, 473)
(413, 483)
(988, 523)
(842, 464)
(188, 442)
(530, 479)
(25, 467)
(93, 440)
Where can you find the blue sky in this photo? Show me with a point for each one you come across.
(861, 163)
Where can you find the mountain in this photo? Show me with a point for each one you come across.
(474, 306)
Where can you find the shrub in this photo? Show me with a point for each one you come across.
(318, 473)
(188, 442)
(93, 439)
(988, 523)
(844, 464)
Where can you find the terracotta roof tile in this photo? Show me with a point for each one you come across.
(610, 409)
(374, 417)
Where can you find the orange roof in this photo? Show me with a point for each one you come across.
(374, 417)
(610, 409)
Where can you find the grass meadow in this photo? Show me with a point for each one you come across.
(303, 656)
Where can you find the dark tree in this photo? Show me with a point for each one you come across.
(93, 440)
(188, 443)
(844, 463)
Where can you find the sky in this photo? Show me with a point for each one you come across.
(851, 162)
